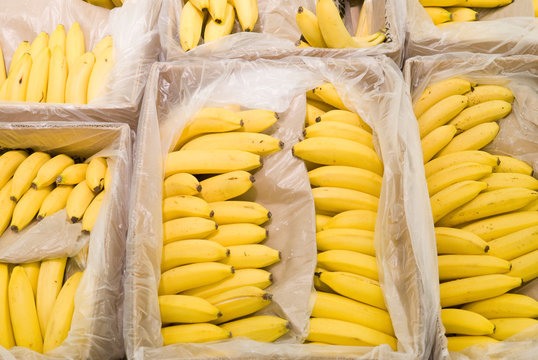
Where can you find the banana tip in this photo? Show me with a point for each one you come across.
(39, 217)
(300, 10)
(74, 219)
(280, 255)
(252, 178)
(266, 233)
(269, 214)
(58, 180)
(33, 186)
(318, 119)
(318, 274)
(86, 232)
(267, 296)
(216, 226)
(218, 21)
(288, 325)
(227, 252)
(486, 249)
(219, 314)
(199, 188)
(97, 189)
(304, 132)
(281, 144)
(14, 228)
(13, 198)
(212, 213)
(232, 270)
(241, 123)
(271, 277)
(277, 116)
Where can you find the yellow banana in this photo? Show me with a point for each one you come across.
(9, 162)
(492, 110)
(260, 144)
(504, 328)
(104, 62)
(508, 164)
(251, 256)
(40, 42)
(321, 221)
(191, 21)
(327, 92)
(318, 284)
(505, 306)
(505, 180)
(483, 93)
(264, 328)
(238, 234)
(484, 3)
(193, 333)
(349, 261)
(473, 139)
(515, 244)
(191, 251)
(312, 113)
(475, 156)
(239, 302)
(525, 266)
(247, 13)
(75, 46)
(457, 173)
(436, 140)
(457, 292)
(192, 276)
(78, 201)
(6, 331)
(439, 91)
(215, 30)
(32, 271)
(184, 206)
(186, 309)
(257, 120)
(102, 45)
(107, 4)
(339, 130)
(92, 212)
(72, 175)
(309, 27)
(462, 14)
(38, 78)
(464, 322)
(355, 287)
(187, 228)
(210, 161)
(23, 48)
(532, 206)
(226, 186)
(370, 40)
(346, 239)
(200, 4)
(453, 267)
(343, 116)
(230, 212)
(441, 113)
(438, 14)
(17, 83)
(76, 87)
(26, 172)
(50, 170)
(353, 219)
(458, 343)
(497, 226)
(454, 196)
(57, 76)
(321, 104)
(6, 206)
(442, 3)
(28, 207)
(181, 184)
(49, 283)
(57, 38)
(332, 27)
(336, 200)
(217, 10)
(55, 201)
(460, 242)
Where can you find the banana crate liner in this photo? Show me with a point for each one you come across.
(134, 29)
(96, 328)
(508, 30)
(517, 137)
(276, 32)
(404, 238)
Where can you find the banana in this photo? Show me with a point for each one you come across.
(460, 242)
(238, 234)
(488, 204)
(181, 184)
(38, 78)
(230, 212)
(441, 113)
(355, 287)
(251, 256)
(437, 140)
(193, 333)
(339, 130)
(333, 151)
(309, 27)
(217, 10)
(184, 206)
(440, 90)
(103, 44)
(462, 14)
(75, 46)
(210, 161)
(78, 201)
(488, 111)
(346, 239)
(438, 14)
(505, 306)
(257, 120)
(508, 164)
(453, 197)
(473, 139)
(76, 87)
(532, 206)
(57, 38)
(57, 76)
(459, 343)
(327, 92)
(6, 331)
(457, 173)
(312, 113)
(49, 283)
(191, 21)
(442, 3)
(215, 30)
(104, 62)
(484, 93)
(265, 328)
(321, 221)
(92, 212)
(192, 276)
(200, 4)
(498, 181)
(72, 175)
(332, 306)
(343, 116)
(239, 302)
(332, 27)
(28, 207)
(336, 200)
(310, 95)
(54, 202)
(484, 3)
(226, 186)
(349, 261)
(191, 251)
(187, 228)
(60, 318)
(23, 48)
(259, 144)
(6, 207)
(32, 271)
(453, 267)
(353, 219)
(26, 172)
(515, 244)
(50, 170)
(338, 332)
(244, 277)
(525, 266)
(497, 226)
(23, 311)
(247, 13)
(107, 4)
(475, 156)
(464, 322)
(40, 42)
(17, 83)
(9, 162)
(457, 292)
(504, 328)
(318, 284)
(370, 40)
(186, 309)
(321, 104)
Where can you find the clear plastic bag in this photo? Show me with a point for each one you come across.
(404, 236)
(517, 137)
(96, 328)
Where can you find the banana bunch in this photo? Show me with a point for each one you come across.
(38, 185)
(35, 308)
(212, 263)
(326, 29)
(444, 12)
(485, 209)
(107, 4)
(218, 23)
(345, 176)
(57, 69)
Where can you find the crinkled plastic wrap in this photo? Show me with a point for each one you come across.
(517, 137)
(276, 32)
(404, 236)
(96, 328)
(508, 30)
(134, 29)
